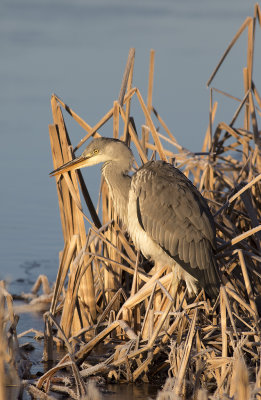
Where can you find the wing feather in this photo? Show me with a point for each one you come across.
(203, 260)
(192, 254)
(180, 249)
(173, 243)
(186, 245)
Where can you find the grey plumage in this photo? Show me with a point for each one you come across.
(166, 216)
(187, 231)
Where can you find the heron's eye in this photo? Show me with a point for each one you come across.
(95, 151)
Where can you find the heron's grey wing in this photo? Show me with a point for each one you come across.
(175, 215)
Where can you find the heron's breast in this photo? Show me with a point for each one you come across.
(141, 239)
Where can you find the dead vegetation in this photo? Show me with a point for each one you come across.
(200, 349)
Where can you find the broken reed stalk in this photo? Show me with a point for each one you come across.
(3, 341)
(10, 359)
(150, 83)
(72, 221)
(100, 298)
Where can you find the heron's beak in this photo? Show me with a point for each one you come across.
(79, 162)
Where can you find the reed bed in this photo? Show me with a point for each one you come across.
(196, 348)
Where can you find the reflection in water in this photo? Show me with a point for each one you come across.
(131, 391)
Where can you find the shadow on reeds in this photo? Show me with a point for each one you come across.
(198, 348)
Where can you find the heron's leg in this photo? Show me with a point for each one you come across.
(157, 300)
(158, 295)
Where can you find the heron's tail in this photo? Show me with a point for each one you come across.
(211, 278)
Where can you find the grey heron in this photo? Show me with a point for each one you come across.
(165, 215)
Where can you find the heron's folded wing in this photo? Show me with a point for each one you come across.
(174, 214)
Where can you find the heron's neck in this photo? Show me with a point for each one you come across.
(119, 185)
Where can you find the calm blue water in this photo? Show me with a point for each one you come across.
(78, 49)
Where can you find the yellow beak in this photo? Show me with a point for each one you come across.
(79, 162)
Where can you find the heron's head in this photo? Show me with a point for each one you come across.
(99, 151)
